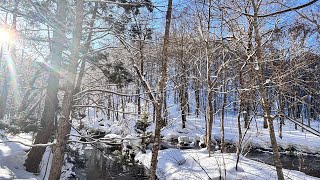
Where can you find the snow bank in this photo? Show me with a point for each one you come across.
(195, 164)
(300, 141)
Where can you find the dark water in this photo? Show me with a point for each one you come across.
(308, 164)
(100, 166)
(104, 166)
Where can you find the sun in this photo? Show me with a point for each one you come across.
(5, 36)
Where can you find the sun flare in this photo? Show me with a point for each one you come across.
(5, 36)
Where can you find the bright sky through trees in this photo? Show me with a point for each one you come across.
(5, 36)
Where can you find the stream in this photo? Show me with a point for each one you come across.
(99, 165)
(309, 164)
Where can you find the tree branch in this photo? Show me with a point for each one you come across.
(284, 11)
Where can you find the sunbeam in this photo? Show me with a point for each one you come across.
(7, 39)
(13, 77)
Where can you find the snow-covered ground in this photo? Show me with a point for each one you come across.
(256, 137)
(12, 157)
(174, 163)
(195, 164)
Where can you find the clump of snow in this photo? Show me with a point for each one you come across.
(112, 136)
(172, 136)
(183, 139)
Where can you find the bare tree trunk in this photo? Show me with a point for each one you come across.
(222, 116)
(209, 86)
(123, 107)
(86, 48)
(210, 122)
(261, 87)
(309, 110)
(162, 85)
(247, 114)
(64, 126)
(295, 111)
(281, 103)
(109, 107)
(239, 145)
(197, 97)
(141, 47)
(51, 102)
(183, 104)
(165, 108)
(138, 97)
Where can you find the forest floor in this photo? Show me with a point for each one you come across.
(195, 164)
(256, 136)
(13, 155)
(181, 164)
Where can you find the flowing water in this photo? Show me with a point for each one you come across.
(309, 164)
(103, 166)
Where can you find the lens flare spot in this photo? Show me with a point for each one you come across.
(5, 35)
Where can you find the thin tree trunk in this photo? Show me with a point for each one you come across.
(281, 103)
(162, 85)
(86, 48)
(261, 87)
(239, 145)
(165, 108)
(295, 112)
(247, 114)
(222, 117)
(64, 126)
(51, 102)
(123, 107)
(139, 89)
(183, 105)
(197, 97)
(209, 86)
(210, 122)
(309, 111)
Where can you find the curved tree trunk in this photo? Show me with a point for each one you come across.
(51, 102)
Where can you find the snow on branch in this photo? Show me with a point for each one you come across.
(109, 91)
(144, 83)
(102, 107)
(121, 3)
(29, 145)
